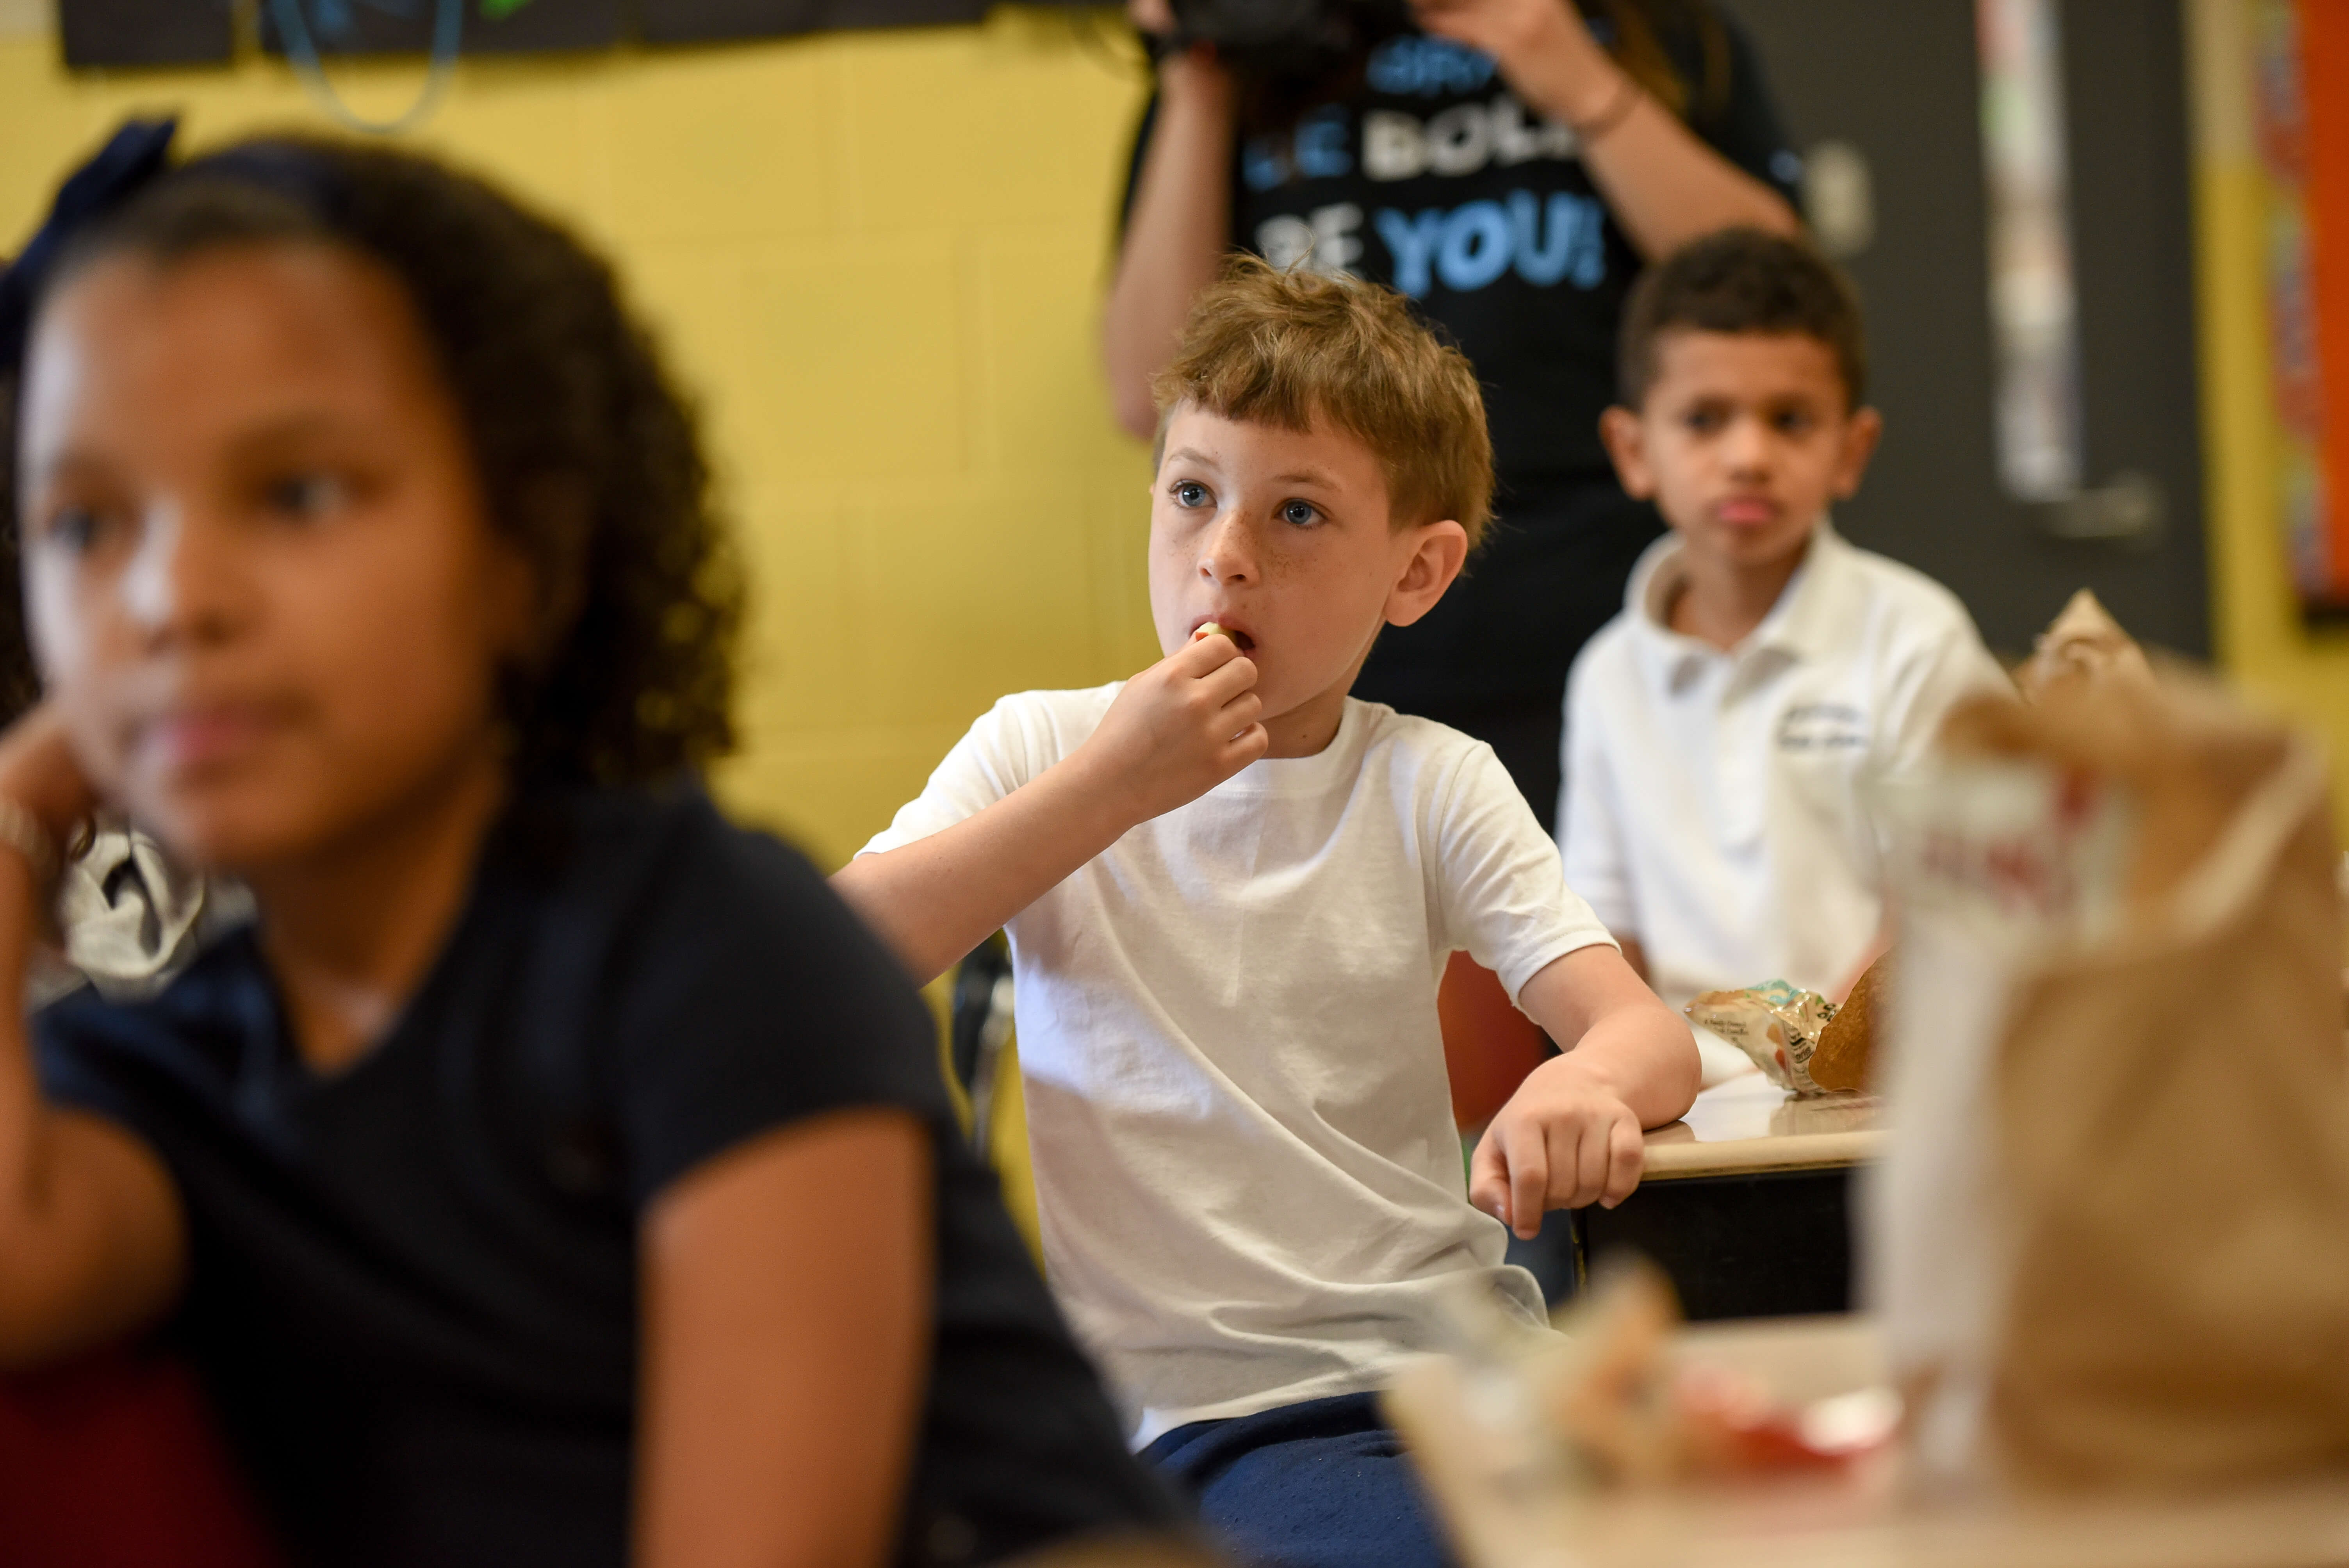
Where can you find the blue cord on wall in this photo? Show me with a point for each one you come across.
(448, 32)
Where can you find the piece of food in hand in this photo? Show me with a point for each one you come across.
(1847, 1046)
(1776, 1025)
(1209, 629)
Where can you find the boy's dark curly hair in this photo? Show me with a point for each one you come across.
(586, 452)
(1742, 281)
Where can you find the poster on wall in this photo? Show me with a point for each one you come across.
(146, 32)
(2300, 66)
(488, 26)
(715, 21)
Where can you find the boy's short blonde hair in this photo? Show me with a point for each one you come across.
(1285, 349)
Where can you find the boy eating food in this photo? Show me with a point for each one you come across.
(1718, 730)
(1231, 891)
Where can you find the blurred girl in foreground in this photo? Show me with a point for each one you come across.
(553, 1172)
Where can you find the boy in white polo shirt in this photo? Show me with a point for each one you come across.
(1231, 891)
(1718, 730)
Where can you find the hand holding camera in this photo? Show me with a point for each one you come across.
(1543, 47)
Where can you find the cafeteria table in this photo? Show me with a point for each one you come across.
(1746, 1203)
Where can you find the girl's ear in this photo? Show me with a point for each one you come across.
(557, 523)
(1626, 439)
(1439, 550)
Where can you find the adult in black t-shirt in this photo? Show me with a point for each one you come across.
(1510, 168)
(414, 1291)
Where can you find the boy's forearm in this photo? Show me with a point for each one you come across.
(1616, 1032)
(1646, 1057)
(934, 900)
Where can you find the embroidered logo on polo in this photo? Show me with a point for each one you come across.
(1822, 727)
(1545, 238)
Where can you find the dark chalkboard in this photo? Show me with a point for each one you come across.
(492, 26)
(146, 32)
(712, 21)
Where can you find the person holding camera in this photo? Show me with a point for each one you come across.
(1509, 165)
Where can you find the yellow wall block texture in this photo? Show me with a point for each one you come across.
(875, 260)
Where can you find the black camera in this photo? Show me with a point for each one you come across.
(1290, 40)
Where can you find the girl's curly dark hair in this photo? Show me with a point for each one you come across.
(585, 451)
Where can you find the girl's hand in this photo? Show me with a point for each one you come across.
(1178, 729)
(1563, 1140)
(1542, 47)
(37, 772)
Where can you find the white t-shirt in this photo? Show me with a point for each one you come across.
(1712, 806)
(1247, 1172)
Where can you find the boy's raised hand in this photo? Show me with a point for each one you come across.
(1175, 731)
(1178, 729)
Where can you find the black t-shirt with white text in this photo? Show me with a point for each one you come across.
(1431, 177)
(414, 1283)
(1435, 180)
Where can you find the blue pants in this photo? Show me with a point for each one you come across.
(1323, 1484)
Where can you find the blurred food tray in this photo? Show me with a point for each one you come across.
(1501, 1518)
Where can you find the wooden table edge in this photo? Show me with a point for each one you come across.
(1809, 1151)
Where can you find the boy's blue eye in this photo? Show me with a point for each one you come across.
(1189, 493)
(1300, 514)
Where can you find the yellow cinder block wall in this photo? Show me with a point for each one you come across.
(876, 261)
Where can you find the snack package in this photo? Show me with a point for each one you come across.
(1776, 1024)
(2110, 1243)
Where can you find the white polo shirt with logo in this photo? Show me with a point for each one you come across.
(1712, 805)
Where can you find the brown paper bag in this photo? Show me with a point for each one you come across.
(2083, 644)
(2140, 1147)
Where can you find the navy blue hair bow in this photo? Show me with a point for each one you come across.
(130, 159)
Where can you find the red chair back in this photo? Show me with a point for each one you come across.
(112, 1461)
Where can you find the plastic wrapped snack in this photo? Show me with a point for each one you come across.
(1776, 1024)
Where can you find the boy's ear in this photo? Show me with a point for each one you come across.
(1626, 439)
(1440, 550)
(1860, 434)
